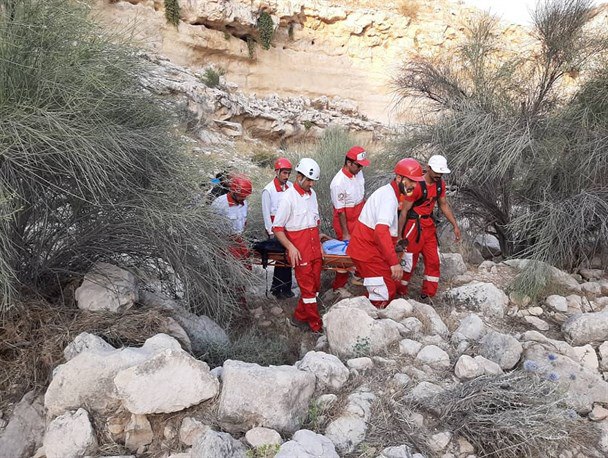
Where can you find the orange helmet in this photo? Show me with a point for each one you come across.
(282, 163)
(409, 168)
(240, 185)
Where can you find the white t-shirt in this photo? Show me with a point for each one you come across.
(236, 213)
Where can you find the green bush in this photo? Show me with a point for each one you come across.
(90, 169)
(211, 76)
(172, 11)
(527, 159)
(265, 29)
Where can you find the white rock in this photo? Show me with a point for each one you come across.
(168, 382)
(307, 444)
(191, 430)
(438, 442)
(202, 330)
(539, 324)
(88, 378)
(470, 328)
(401, 451)
(430, 319)
(503, 349)
(535, 311)
(557, 303)
(485, 297)
(575, 302)
(411, 326)
(452, 265)
(409, 347)
(24, 432)
(397, 310)
(70, 436)
(402, 380)
(138, 432)
(598, 413)
(426, 390)
(488, 245)
(258, 437)
(592, 289)
(273, 397)
(587, 328)
(328, 369)
(360, 303)
(348, 430)
(591, 274)
(214, 444)
(326, 401)
(489, 367)
(435, 357)
(352, 332)
(603, 351)
(585, 356)
(467, 368)
(85, 342)
(360, 364)
(107, 287)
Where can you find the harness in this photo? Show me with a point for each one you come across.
(411, 214)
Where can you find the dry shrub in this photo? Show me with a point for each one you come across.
(409, 8)
(33, 336)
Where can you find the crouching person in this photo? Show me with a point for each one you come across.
(296, 226)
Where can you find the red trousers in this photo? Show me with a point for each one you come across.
(381, 288)
(427, 245)
(308, 276)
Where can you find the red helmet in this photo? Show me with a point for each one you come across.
(240, 185)
(282, 163)
(409, 168)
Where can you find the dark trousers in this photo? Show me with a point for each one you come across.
(281, 280)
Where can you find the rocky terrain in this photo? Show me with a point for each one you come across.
(373, 384)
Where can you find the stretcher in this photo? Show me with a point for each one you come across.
(268, 254)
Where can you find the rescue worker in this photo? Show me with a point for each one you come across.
(296, 226)
(417, 227)
(233, 206)
(272, 194)
(348, 197)
(372, 242)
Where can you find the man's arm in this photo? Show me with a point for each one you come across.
(344, 225)
(266, 211)
(338, 197)
(384, 241)
(447, 211)
(292, 252)
(407, 206)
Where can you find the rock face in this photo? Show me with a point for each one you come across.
(23, 434)
(70, 436)
(107, 287)
(485, 297)
(587, 328)
(273, 397)
(169, 381)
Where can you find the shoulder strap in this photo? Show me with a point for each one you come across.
(424, 194)
(439, 188)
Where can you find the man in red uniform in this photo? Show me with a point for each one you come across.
(272, 194)
(372, 242)
(348, 197)
(296, 226)
(417, 226)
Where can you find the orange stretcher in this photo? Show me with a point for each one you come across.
(330, 261)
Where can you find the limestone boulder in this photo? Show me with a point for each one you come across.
(485, 297)
(70, 435)
(86, 342)
(24, 432)
(586, 328)
(330, 372)
(397, 310)
(434, 357)
(488, 245)
(471, 328)
(259, 437)
(557, 303)
(107, 287)
(452, 265)
(274, 397)
(88, 378)
(213, 443)
(503, 349)
(307, 444)
(349, 429)
(191, 430)
(169, 381)
(431, 321)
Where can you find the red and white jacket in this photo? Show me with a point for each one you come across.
(271, 197)
(375, 234)
(298, 217)
(236, 213)
(348, 194)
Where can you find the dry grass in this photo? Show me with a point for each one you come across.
(409, 8)
(33, 336)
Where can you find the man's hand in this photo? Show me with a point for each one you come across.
(396, 272)
(294, 256)
(457, 234)
(345, 237)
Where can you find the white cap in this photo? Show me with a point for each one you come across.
(439, 164)
(309, 168)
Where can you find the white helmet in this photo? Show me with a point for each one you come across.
(309, 168)
(439, 164)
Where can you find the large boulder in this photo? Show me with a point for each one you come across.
(432, 322)
(307, 444)
(452, 265)
(88, 378)
(273, 397)
(25, 430)
(70, 435)
(214, 444)
(484, 297)
(587, 328)
(351, 331)
(85, 342)
(471, 328)
(169, 381)
(328, 369)
(202, 330)
(107, 287)
(503, 349)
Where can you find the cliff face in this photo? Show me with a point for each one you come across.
(350, 50)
